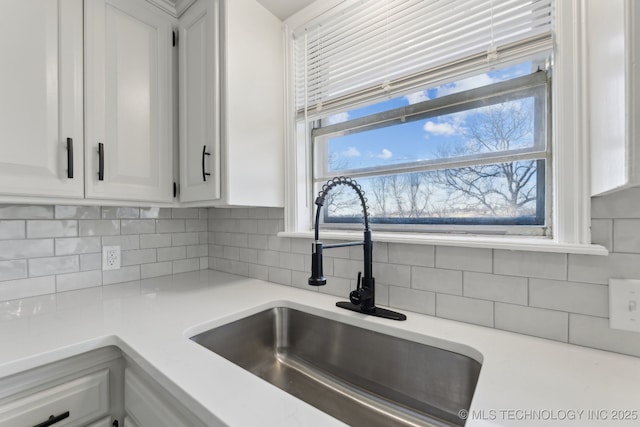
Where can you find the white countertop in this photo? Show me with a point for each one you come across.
(524, 381)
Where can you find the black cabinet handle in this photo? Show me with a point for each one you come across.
(53, 419)
(69, 158)
(100, 161)
(204, 153)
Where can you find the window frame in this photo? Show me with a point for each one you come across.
(570, 163)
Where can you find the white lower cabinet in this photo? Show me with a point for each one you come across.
(100, 388)
(148, 405)
(83, 390)
(73, 402)
(105, 422)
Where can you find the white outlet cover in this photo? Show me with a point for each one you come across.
(110, 258)
(624, 304)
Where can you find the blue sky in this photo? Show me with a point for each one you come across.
(417, 140)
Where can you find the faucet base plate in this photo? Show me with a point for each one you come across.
(377, 311)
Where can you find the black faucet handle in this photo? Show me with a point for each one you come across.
(359, 280)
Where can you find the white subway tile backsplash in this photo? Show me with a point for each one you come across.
(626, 235)
(155, 213)
(204, 263)
(110, 212)
(155, 241)
(184, 239)
(16, 269)
(124, 274)
(12, 229)
(77, 212)
(583, 298)
(598, 269)
(53, 265)
(269, 226)
(391, 274)
(256, 241)
(155, 269)
(248, 255)
(195, 225)
(291, 261)
(19, 249)
(510, 289)
(269, 258)
(99, 227)
(138, 226)
(275, 243)
(184, 265)
(279, 275)
(90, 262)
(138, 256)
(262, 272)
(126, 243)
(532, 321)
(413, 300)
(77, 245)
(467, 259)
(184, 213)
(595, 332)
(26, 212)
(345, 268)
(170, 226)
(231, 252)
(170, 254)
(620, 204)
(419, 255)
(52, 228)
(436, 280)
(197, 251)
(602, 232)
(543, 265)
(25, 288)
(81, 280)
(337, 286)
(380, 252)
(468, 310)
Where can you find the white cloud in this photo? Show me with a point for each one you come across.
(351, 152)
(446, 129)
(386, 154)
(466, 84)
(337, 118)
(414, 98)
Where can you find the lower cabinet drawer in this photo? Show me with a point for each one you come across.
(85, 398)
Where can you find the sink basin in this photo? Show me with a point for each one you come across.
(359, 376)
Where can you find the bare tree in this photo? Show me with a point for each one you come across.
(504, 189)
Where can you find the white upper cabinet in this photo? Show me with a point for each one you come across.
(128, 95)
(252, 105)
(235, 115)
(199, 103)
(613, 77)
(41, 98)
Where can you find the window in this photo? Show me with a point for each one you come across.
(354, 63)
(472, 152)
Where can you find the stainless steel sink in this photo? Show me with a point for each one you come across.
(361, 377)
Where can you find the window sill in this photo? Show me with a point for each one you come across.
(535, 244)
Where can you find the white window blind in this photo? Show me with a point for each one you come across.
(371, 47)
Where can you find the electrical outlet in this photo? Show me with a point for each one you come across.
(110, 257)
(624, 304)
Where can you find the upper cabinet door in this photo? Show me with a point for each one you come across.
(199, 103)
(41, 98)
(128, 114)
